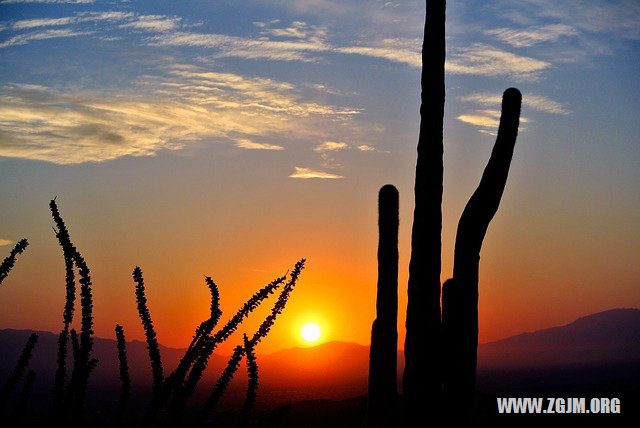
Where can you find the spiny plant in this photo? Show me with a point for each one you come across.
(441, 346)
(149, 331)
(124, 375)
(182, 382)
(239, 351)
(83, 364)
(196, 357)
(252, 382)
(211, 342)
(19, 416)
(383, 378)
(9, 261)
(68, 405)
(18, 370)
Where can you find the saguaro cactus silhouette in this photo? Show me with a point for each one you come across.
(420, 382)
(383, 378)
(460, 295)
(441, 347)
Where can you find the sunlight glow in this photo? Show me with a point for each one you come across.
(310, 332)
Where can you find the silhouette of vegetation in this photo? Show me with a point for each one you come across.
(19, 417)
(383, 378)
(420, 382)
(68, 405)
(18, 370)
(462, 322)
(252, 382)
(176, 378)
(123, 366)
(67, 317)
(239, 351)
(9, 261)
(440, 345)
(83, 364)
(209, 344)
(149, 332)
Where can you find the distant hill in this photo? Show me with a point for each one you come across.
(338, 370)
(611, 337)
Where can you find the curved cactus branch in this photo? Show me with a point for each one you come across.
(461, 323)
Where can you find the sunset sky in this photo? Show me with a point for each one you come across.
(231, 139)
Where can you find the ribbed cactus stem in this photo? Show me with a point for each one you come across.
(421, 381)
(462, 322)
(383, 378)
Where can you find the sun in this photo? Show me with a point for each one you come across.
(310, 332)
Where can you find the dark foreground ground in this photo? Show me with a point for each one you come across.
(614, 381)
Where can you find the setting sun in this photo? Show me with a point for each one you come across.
(310, 332)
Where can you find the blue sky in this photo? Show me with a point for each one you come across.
(110, 104)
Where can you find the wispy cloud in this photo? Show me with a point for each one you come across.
(49, 1)
(532, 35)
(616, 17)
(371, 149)
(157, 23)
(486, 121)
(22, 39)
(78, 17)
(243, 47)
(533, 101)
(4, 242)
(329, 146)
(166, 112)
(297, 30)
(248, 144)
(44, 22)
(486, 60)
(310, 173)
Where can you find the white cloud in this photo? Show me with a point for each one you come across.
(403, 56)
(486, 60)
(22, 39)
(536, 102)
(329, 146)
(616, 17)
(44, 22)
(367, 148)
(486, 120)
(159, 23)
(49, 1)
(243, 47)
(533, 35)
(309, 173)
(68, 20)
(248, 144)
(166, 112)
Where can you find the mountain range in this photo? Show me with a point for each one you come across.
(605, 344)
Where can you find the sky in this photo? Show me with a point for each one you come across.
(231, 139)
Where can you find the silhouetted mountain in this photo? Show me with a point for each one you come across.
(606, 343)
(611, 336)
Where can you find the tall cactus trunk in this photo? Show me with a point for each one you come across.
(460, 295)
(383, 377)
(421, 382)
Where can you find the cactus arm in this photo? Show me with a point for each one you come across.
(383, 375)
